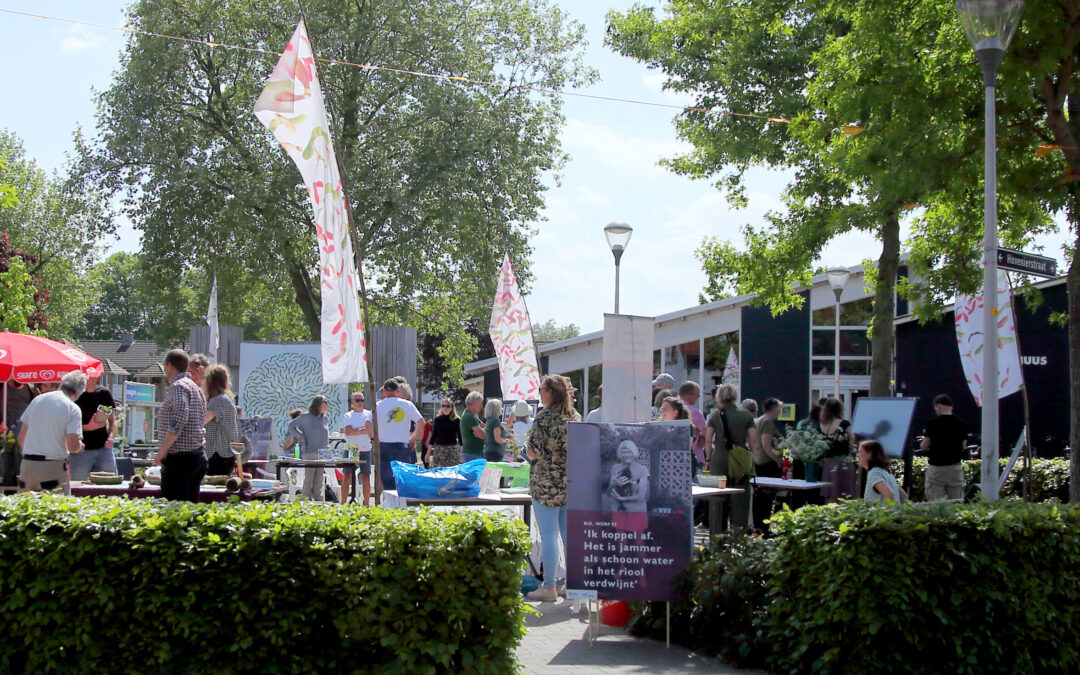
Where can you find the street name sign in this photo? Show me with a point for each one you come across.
(1027, 263)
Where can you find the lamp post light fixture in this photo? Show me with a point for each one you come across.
(617, 234)
(838, 278)
(989, 26)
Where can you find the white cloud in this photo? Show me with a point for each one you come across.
(585, 140)
(79, 38)
(586, 195)
(655, 80)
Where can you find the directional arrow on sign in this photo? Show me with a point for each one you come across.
(1026, 263)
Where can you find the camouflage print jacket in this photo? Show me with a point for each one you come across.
(547, 476)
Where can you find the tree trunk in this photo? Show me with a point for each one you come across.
(881, 342)
(307, 300)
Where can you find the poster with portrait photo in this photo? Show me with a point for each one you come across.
(629, 510)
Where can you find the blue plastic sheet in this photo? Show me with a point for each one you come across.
(416, 482)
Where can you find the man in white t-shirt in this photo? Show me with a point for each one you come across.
(358, 430)
(51, 429)
(396, 417)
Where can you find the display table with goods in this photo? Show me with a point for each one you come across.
(787, 484)
(260, 490)
(347, 465)
(517, 472)
(509, 497)
(711, 493)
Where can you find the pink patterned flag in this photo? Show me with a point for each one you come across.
(731, 369)
(511, 333)
(968, 313)
(291, 106)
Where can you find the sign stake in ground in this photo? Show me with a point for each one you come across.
(1026, 263)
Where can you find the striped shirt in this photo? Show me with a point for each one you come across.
(183, 413)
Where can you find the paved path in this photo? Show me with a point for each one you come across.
(558, 642)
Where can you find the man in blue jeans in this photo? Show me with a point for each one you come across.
(396, 417)
(98, 427)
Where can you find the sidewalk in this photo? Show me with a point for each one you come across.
(558, 642)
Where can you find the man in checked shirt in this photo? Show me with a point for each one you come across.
(181, 430)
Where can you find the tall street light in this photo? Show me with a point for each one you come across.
(838, 277)
(617, 234)
(989, 25)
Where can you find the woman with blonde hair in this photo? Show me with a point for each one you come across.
(495, 433)
(221, 426)
(547, 478)
(445, 448)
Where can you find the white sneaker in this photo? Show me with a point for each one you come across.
(542, 595)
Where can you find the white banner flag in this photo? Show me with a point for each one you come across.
(731, 369)
(511, 333)
(212, 321)
(968, 313)
(291, 106)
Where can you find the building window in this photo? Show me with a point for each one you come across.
(683, 362)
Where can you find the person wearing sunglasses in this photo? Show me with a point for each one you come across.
(358, 430)
(445, 448)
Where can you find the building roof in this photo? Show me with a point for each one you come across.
(112, 368)
(131, 357)
(154, 370)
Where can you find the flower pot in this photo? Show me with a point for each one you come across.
(813, 472)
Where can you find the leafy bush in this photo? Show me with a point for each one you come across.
(927, 588)
(1049, 478)
(95, 585)
(725, 592)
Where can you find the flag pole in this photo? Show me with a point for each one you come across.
(358, 260)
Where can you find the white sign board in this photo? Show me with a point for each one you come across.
(627, 368)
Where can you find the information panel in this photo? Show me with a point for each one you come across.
(629, 510)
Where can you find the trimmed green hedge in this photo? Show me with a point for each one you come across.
(1049, 478)
(926, 588)
(95, 585)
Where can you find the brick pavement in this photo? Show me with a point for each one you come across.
(558, 643)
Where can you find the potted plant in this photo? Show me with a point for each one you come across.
(809, 447)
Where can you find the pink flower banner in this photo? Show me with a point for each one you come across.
(511, 333)
(969, 339)
(291, 106)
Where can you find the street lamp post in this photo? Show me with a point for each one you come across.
(989, 26)
(838, 277)
(617, 234)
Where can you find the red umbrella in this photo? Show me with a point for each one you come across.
(29, 358)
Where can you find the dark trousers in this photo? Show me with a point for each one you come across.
(220, 466)
(392, 452)
(763, 499)
(181, 474)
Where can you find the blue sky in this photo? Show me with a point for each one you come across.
(612, 175)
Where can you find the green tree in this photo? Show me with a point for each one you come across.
(21, 297)
(550, 331)
(836, 92)
(444, 176)
(57, 221)
(121, 306)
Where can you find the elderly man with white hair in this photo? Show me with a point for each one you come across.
(51, 430)
(472, 428)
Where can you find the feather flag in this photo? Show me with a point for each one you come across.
(731, 369)
(968, 314)
(212, 321)
(291, 106)
(511, 333)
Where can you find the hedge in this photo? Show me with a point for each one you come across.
(1049, 478)
(112, 585)
(725, 599)
(926, 588)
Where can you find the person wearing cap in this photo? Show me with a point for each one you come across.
(523, 422)
(51, 430)
(400, 424)
(663, 382)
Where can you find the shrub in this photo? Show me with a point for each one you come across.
(725, 592)
(926, 588)
(1049, 478)
(93, 585)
